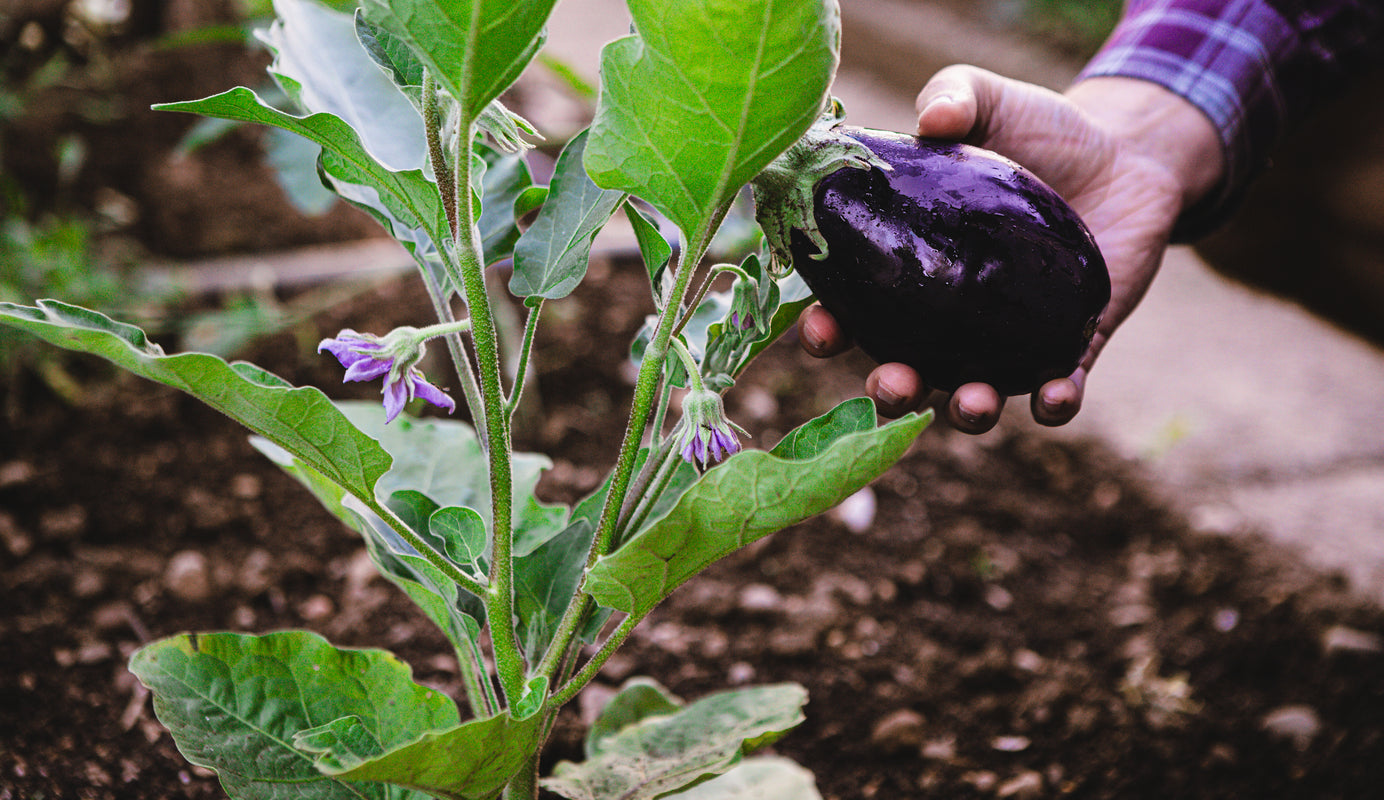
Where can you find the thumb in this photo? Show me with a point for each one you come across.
(949, 105)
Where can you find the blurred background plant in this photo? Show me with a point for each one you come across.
(74, 221)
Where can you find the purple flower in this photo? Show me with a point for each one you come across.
(368, 357)
(704, 436)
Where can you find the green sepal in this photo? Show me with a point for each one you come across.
(784, 191)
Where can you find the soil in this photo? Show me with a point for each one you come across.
(1020, 617)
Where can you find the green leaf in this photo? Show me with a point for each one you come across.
(458, 614)
(471, 761)
(660, 754)
(400, 199)
(705, 94)
(749, 496)
(463, 536)
(505, 185)
(391, 53)
(638, 699)
(545, 581)
(551, 257)
(814, 436)
(655, 249)
(320, 63)
(235, 703)
(474, 48)
(300, 420)
(758, 778)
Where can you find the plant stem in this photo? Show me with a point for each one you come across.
(516, 391)
(646, 386)
(524, 784)
(589, 670)
(476, 681)
(441, 295)
(499, 597)
(456, 346)
(429, 553)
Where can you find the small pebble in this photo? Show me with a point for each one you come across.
(1024, 785)
(1010, 744)
(940, 749)
(1340, 639)
(898, 731)
(317, 607)
(1225, 620)
(188, 576)
(998, 598)
(740, 673)
(760, 597)
(1296, 723)
(857, 512)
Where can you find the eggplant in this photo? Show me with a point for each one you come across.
(948, 258)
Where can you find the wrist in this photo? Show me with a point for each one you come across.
(1154, 123)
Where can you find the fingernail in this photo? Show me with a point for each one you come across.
(810, 339)
(968, 415)
(940, 99)
(886, 395)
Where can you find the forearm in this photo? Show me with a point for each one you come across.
(1252, 68)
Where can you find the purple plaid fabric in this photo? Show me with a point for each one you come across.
(1252, 66)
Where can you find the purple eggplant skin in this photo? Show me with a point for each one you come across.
(958, 262)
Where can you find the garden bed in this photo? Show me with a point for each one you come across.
(1022, 617)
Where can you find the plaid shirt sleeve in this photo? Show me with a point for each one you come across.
(1252, 66)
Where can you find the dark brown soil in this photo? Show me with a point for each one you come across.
(1023, 618)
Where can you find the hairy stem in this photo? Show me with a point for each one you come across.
(516, 391)
(589, 670)
(425, 549)
(645, 389)
(441, 295)
(499, 597)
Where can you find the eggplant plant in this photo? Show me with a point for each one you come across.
(401, 100)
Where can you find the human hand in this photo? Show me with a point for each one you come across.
(1128, 155)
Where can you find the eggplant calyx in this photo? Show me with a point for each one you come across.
(784, 191)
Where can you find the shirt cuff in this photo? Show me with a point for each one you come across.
(1220, 57)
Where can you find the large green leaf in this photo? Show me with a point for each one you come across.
(300, 420)
(474, 760)
(551, 257)
(321, 64)
(408, 196)
(660, 753)
(474, 48)
(456, 613)
(758, 778)
(235, 703)
(749, 496)
(705, 94)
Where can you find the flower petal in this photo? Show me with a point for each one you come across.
(430, 393)
(367, 369)
(396, 396)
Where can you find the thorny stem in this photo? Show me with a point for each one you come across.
(653, 484)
